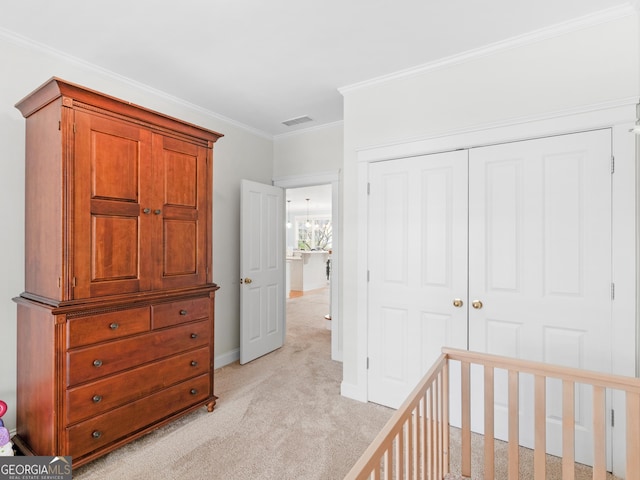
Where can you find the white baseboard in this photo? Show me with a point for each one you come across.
(226, 358)
(353, 392)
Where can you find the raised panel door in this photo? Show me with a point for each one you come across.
(180, 203)
(418, 269)
(112, 162)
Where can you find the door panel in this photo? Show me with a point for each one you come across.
(262, 308)
(540, 263)
(418, 266)
(183, 219)
(108, 240)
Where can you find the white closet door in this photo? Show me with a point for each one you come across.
(540, 264)
(417, 267)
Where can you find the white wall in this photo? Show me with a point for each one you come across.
(309, 151)
(241, 153)
(586, 65)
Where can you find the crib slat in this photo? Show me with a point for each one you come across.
(540, 446)
(444, 420)
(433, 464)
(599, 435)
(514, 427)
(466, 419)
(489, 455)
(633, 435)
(568, 430)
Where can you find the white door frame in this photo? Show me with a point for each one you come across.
(324, 178)
(620, 116)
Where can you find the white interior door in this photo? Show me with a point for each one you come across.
(417, 268)
(262, 273)
(540, 264)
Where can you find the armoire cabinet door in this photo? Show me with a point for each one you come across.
(180, 203)
(111, 231)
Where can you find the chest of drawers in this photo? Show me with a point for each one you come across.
(121, 371)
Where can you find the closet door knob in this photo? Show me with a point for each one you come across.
(457, 302)
(477, 304)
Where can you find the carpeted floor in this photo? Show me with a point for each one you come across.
(278, 417)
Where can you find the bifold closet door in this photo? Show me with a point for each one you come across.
(417, 269)
(540, 268)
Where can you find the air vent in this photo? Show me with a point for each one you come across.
(297, 121)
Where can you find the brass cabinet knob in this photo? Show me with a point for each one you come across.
(457, 302)
(183, 312)
(146, 211)
(247, 280)
(97, 363)
(96, 434)
(114, 326)
(157, 212)
(97, 398)
(477, 304)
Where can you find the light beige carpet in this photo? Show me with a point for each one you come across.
(278, 417)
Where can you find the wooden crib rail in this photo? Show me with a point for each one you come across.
(570, 377)
(414, 444)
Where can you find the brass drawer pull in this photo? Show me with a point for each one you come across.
(194, 363)
(96, 434)
(97, 363)
(114, 326)
(183, 312)
(97, 398)
(193, 391)
(194, 335)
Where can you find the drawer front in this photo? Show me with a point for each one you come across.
(121, 422)
(174, 313)
(107, 326)
(91, 363)
(103, 395)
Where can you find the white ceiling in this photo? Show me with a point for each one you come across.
(260, 62)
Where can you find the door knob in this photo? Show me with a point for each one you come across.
(457, 302)
(247, 280)
(477, 304)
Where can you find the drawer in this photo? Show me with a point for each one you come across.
(168, 314)
(103, 395)
(107, 326)
(97, 432)
(90, 363)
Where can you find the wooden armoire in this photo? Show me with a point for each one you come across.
(115, 327)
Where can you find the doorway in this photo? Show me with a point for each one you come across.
(322, 190)
(309, 249)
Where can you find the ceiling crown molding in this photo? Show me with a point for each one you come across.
(579, 23)
(47, 50)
